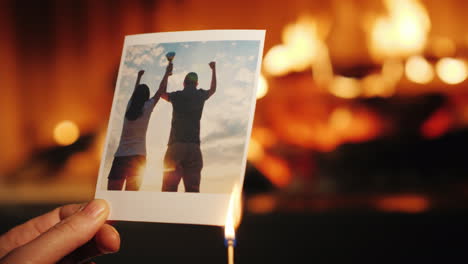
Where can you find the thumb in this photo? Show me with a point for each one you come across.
(64, 237)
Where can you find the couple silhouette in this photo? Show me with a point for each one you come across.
(183, 159)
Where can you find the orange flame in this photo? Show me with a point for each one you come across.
(234, 213)
(402, 32)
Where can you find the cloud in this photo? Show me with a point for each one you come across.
(227, 128)
(133, 52)
(219, 56)
(142, 59)
(244, 75)
(143, 54)
(156, 51)
(229, 151)
(163, 61)
(129, 71)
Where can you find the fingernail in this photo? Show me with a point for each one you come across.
(95, 208)
(115, 231)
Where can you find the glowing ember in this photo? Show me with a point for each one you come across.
(419, 70)
(451, 71)
(66, 133)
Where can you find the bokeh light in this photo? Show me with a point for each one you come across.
(419, 70)
(345, 87)
(451, 71)
(66, 133)
(277, 61)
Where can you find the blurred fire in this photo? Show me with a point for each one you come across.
(302, 47)
(403, 203)
(438, 124)
(261, 204)
(402, 32)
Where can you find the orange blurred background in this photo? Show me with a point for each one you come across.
(367, 98)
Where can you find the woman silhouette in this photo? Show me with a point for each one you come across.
(130, 158)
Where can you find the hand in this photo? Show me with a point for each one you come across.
(169, 68)
(69, 234)
(140, 73)
(212, 65)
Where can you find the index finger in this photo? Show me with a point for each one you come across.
(25, 233)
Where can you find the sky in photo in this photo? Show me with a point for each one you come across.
(225, 116)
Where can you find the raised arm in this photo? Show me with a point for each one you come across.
(213, 79)
(140, 73)
(162, 91)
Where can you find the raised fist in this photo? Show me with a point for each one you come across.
(212, 65)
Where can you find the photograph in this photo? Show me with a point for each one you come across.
(180, 125)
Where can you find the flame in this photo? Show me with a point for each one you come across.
(303, 47)
(234, 213)
(301, 39)
(402, 32)
(66, 133)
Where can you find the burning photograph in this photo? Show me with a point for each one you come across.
(181, 116)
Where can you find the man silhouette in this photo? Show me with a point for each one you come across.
(183, 159)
